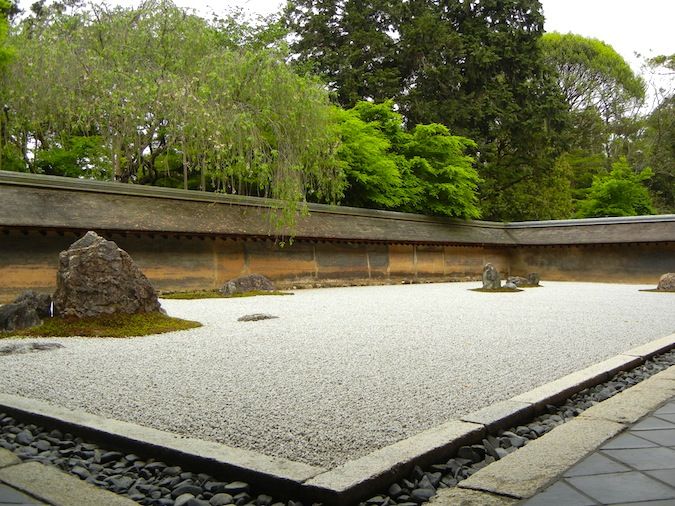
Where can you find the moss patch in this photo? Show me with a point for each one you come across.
(656, 290)
(215, 294)
(118, 325)
(498, 290)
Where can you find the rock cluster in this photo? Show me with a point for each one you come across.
(96, 277)
(27, 310)
(249, 283)
(667, 282)
(491, 278)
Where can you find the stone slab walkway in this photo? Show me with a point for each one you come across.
(30, 484)
(635, 467)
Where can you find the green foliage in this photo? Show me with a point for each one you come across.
(440, 178)
(350, 44)
(425, 170)
(619, 193)
(474, 67)
(656, 146)
(116, 325)
(592, 75)
(5, 51)
(156, 94)
(373, 176)
(540, 197)
(659, 143)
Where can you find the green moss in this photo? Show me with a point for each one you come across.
(498, 290)
(118, 325)
(214, 294)
(655, 290)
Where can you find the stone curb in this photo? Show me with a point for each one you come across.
(57, 488)
(359, 478)
(259, 469)
(368, 475)
(7, 458)
(531, 469)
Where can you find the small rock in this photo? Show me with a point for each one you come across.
(182, 500)
(221, 499)
(421, 495)
(256, 317)
(236, 487)
(470, 453)
(172, 471)
(110, 457)
(263, 500)
(395, 490)
(186, 489)
(197, 502)
(24, 438)
(81, 472)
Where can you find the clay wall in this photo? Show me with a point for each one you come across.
(193, 240)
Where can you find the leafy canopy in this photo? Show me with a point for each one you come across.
(472, 66)
(426, 170)
(619, 193)
(153, 93)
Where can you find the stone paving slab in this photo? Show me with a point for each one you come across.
(7, 458)
(465, 497)
(622, 487)
(58, 488)
(627, 469)
(632, 404)
(561, 493)
(525, 472)
(11, 497)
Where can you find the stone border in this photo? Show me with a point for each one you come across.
(52, 486)
(358, 479)
(522, 474)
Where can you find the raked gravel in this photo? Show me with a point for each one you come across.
(341, 371)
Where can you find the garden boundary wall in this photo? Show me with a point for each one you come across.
(190, 240)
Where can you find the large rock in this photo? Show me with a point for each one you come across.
(532, 279)
(517, 280)
(667, 282)
(27, 310)
(96, 277)
(491, 278)
(243, 284)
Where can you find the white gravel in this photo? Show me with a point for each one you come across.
(342, 371)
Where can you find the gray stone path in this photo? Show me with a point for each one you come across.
(635, 467)
(11, 496)
(35, 484)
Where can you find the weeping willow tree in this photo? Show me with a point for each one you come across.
(156, 95)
